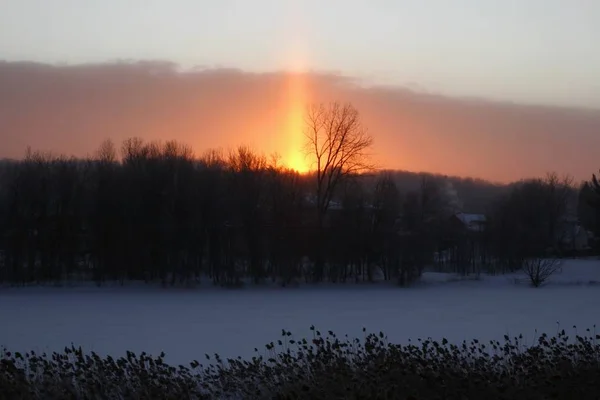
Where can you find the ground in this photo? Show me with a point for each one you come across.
(187, 323)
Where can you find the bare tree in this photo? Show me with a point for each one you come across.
(107, 152)
(338, 144)
(588, 208)
(596, 183)
(538, 270)
(386, 210)
(248, 183)
(386, 201)
(560, 195)
(593, 198)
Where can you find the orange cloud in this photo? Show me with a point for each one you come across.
(71, 109)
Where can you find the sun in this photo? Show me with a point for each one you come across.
(298, 166)
(296, 159)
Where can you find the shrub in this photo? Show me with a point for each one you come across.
(538, 270)
(324, 367)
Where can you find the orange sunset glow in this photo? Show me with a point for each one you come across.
(295, 55)
(70, 109)
(294, 157)
(222, 109)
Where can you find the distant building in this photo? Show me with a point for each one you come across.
(472, 222)
(464, 247)
(572, 236)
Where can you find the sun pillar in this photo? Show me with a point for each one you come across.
(296, 58)
(296, 104)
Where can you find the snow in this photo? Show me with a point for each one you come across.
(187, 323)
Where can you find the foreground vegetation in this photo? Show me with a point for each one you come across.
(325, 367)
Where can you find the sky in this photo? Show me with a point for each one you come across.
(422, 74)
(521, 50)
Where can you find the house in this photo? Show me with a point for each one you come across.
(464, 243)
(472, 222)
(572, 236)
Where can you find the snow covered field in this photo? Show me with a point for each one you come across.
(187, 323)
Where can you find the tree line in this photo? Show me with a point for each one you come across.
(154, 211)
(160, 214)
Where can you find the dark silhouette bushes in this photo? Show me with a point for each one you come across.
(538, 271)
(324, 367)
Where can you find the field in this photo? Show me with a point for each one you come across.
(187, 323)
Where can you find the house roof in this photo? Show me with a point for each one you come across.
(470, 219)
(473, 222)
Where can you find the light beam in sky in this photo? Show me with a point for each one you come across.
(295, 157)
(296, 58)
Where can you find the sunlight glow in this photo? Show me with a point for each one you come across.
(294, 156)
(296, 59)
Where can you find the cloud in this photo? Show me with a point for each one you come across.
(70, 109)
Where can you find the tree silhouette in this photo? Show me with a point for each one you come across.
(338, 144)
(157, 213)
